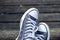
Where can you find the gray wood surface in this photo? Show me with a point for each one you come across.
(18, 2)
(17, 16)
(11, 12)
(14, 26)
(13, 6)
(22, 8)
(9, 26)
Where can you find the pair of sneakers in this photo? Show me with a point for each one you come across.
(30, 29)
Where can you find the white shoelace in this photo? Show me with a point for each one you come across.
(41, 37)
(30, 29)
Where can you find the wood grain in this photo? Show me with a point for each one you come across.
(18, 2)
(15, 17)
(12, 26)
(9, 26)
(23, 8)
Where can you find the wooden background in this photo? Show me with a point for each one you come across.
(12, 10)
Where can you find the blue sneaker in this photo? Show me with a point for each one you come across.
(43, 32)
(28, 25)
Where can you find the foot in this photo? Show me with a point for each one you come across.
(28, 25)
(43, 32)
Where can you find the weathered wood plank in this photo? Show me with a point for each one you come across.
(10, 17)
(18, 2)
(45, 8)
(12, 34)
(42, 17)
(23, 8)
(9, 26)
(10, 9)
(49, 17)
(53, 24)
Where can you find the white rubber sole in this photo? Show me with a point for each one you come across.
(22, 19)
(47, 27)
